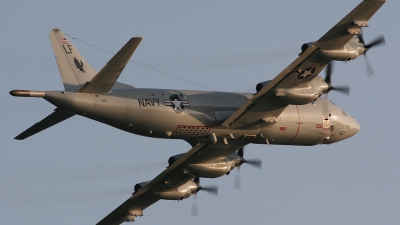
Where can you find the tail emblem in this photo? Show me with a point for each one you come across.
(79, 65)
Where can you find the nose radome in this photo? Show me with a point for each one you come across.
(354, 127)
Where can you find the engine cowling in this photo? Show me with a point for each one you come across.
(305, 46)
(300, 96)
(179, 193)
(260, 85)
(350, 51)
(340, 55)
(293, 96)
(139, 186)
(174, 158)
(214, 169)
(208, 170)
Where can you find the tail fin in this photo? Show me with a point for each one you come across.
(74, 69)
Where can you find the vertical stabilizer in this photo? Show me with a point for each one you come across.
(74, 69)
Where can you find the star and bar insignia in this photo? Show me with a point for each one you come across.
(176, 102)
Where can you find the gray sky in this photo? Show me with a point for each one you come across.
(80, 170)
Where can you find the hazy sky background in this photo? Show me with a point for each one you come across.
(80, 170)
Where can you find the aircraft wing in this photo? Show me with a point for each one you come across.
(171, 177)
(304, 69)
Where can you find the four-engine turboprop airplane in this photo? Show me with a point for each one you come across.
(287, 110)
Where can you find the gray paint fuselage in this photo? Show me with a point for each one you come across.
(192, 115)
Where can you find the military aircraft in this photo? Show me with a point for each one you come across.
(287, 110)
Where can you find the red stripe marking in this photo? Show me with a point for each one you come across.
(298, 128)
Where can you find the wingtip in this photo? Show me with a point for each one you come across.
(137, 39)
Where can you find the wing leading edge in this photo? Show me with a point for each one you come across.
(260, 108)
(172, 177)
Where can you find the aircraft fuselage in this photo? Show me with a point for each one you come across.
(193, 115)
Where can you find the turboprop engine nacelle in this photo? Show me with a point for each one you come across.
(179, 193)
(305, 46)
(209, 169)
(301, 95)
(139, 186)
(350, 51)
(260, 85)
(174, 158)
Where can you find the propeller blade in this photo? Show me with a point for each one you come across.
(344, 89)
(325, 106)
(240, 152)
(368, 66)
(328, 73)
(195, 212)
(210, 189)
(380, 40)
(254, 162)
(213, 189)
(238, 184)
(361, 38)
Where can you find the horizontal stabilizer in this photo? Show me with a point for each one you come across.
(105, 79)
(57, 116)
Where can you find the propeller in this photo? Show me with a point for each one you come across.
(344, 89)
(212, 189)
(252, 162)
(238, 183)
(380, 40)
